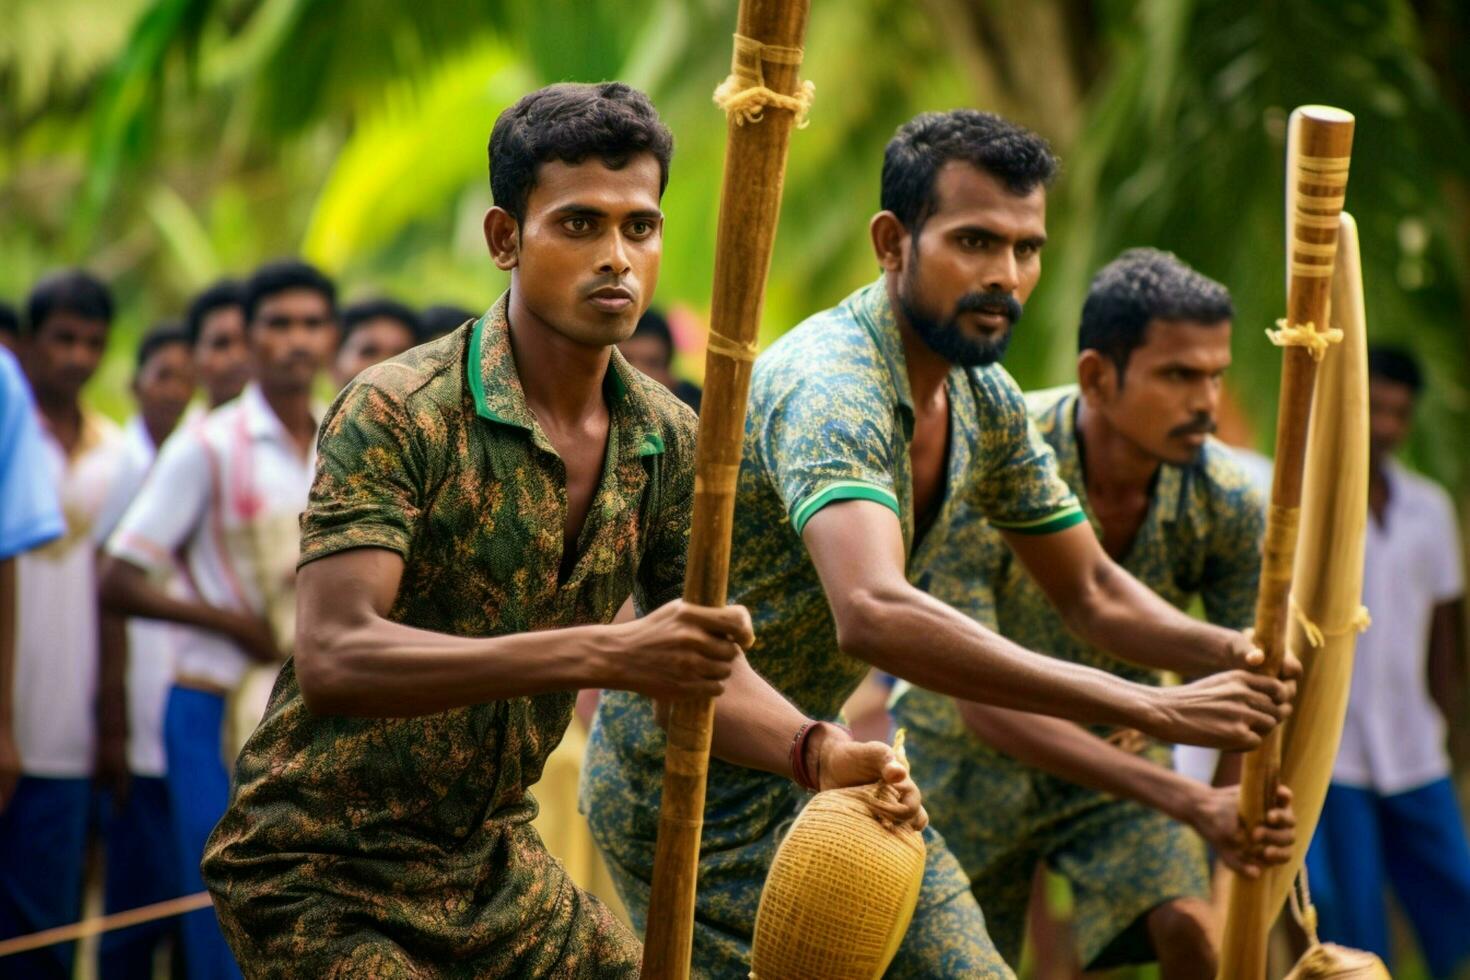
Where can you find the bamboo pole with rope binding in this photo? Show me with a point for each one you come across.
(763, 100)
(1320, 142)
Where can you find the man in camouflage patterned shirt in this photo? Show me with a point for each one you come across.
(483, 505)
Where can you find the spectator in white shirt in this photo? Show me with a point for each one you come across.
(226, 494)
(136, 825)
(56, 693)
(1391, 817)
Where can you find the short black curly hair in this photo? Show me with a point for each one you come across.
(1016, 156)
(571, 121)
(73, 291)
(1140, 285)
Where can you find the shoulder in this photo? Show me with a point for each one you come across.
(422, 391)
(1000, 400)
(667, 415)
(828, 350)
(1421, 493)
(1223, 475)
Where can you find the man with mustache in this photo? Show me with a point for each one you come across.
(483, 506)
(222, 499)
(876, 430)
(1175, 510)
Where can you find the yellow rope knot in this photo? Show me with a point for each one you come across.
(1304, 335)
(743, 94)
(1317, 636)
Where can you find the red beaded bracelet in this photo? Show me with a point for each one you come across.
(799, 771)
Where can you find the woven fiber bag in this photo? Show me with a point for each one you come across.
(1330, 962)
(840, 893)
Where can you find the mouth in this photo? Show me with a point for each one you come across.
(991, 321)
(1195, 438)
(611, 299)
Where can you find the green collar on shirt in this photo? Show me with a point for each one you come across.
(499, 397)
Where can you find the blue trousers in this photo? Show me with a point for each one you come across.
(198, 791)
(43, 841)
(1413, 841)
(141, 869)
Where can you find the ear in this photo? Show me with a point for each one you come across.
(889, 238)
(1097, 376)
(503, 237)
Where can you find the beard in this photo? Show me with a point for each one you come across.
(946, 337)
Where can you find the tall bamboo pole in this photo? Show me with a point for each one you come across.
(760, 100)
(1320, 142)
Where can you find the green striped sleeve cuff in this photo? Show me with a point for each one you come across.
(1056, 521)
(842, 490)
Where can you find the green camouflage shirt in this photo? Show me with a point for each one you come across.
(831, 418)
(367, 846)
(1200, 538)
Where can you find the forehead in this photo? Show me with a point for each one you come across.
(299, 301)
(69, 322)
(966, 195)
(379, 326)
(175, 354)
(592, 183)
(1388, 392)
(1190, 341)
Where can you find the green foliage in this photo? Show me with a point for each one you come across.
(165, 142)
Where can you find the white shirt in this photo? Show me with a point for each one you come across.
(1394, 737)
(150, 641)
(226, 494)
(56, 655)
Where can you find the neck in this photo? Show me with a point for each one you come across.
(157, 431)
(292, 405)
(561, 378)
(59, 409)
(1112, 466)
(927, 371)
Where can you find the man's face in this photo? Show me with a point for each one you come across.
(63, 354)
(376, 340)
(1168, 398)
(649, 355)
(973, 264)
(164, 385)
(291, 338)
(589, 247)
(1390, 416)
(221, 355)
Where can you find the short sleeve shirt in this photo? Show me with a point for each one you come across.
(830, 418)
(1393, 738)
(1201, 537)
(435, 456)
(30, 511)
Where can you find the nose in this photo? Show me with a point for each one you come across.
(1206, 397)
(1001, 273)
(615, 262)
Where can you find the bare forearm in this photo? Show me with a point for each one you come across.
(1120, 615)
(914, 636)
(112, 701)
(383, 669)
(754, 724)
(1446, 663)
(127, 591)
(1072, 753)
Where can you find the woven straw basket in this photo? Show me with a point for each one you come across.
(840, 893)
(1329, 962)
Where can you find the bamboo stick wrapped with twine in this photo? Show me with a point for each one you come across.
(841, 891)
(763, 100)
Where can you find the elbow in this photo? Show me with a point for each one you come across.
(863, 619)
(1085, 607)
(318, 671)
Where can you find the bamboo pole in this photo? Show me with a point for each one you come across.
(1328, 586)
(750, 204)
(1320, 140)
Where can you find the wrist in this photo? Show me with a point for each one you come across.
(596, 660)
(1181, 799)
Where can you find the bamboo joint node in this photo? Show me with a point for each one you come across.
(733, 349)
(1305, 335)
(744, 95)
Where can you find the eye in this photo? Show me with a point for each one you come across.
(640, 228)
(577, 225)
(1027, 249)
(971, 242)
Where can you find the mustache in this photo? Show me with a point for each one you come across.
(1201, 424)
(1001, 303)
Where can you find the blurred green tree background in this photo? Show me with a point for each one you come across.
(166, 142)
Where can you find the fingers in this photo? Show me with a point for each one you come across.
(726, 622)
(1291, 667)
